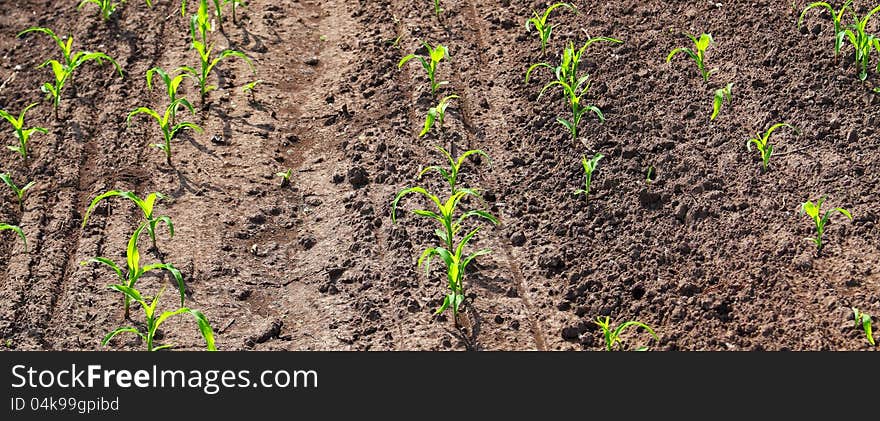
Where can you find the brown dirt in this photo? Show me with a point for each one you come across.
(710, 254)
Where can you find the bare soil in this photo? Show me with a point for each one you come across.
(710, 252)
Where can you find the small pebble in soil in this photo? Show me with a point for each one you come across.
(518, 239)
(218, 140)
(852, 137)
(357, 176)
(311, 61)
(265, 331)
(804, 261)
(570, 333)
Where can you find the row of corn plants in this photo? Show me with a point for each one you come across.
(461, 206)
(453, 233)
(574, 85)
(133, 270)
(63, 69)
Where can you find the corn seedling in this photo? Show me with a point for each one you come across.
(836, 18)
(452, 255)
(285, 177)
(106, 7)
(451, 174)
(612, 336)
(154, 320)
(145, 205)
(864, 321)
(721, 95)
(168, 127)
(819, 220)
(203, 9)
(134, 271)
(205, 49)
(437, 9)
(573, 85)
(200, 22)
(249, 88)
(763, 145)
(22, 134)
(65, 45)
(589, 167)
(437, 115)
(540, 23)
(863, 42)
(19, 191)
(172, 85)
(235, 4)
(429, 63)
(63, 71)
(697, 54)
(17, 230)
(650, 174)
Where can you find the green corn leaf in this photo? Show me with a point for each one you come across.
(17, 230)
(131, 293)
(429, 121)
(117, 331)
(107, 262)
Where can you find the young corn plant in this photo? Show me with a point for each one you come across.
(452, 254)
(574, 86)
(168, 127)
(153, 320)
(612, 336)
(285, 177)
(763, 145)
(17, 230)
(250, 88)
(437, 9)
(541, 25)
(820, 220)
(235, 4)
(721, 95)
(650, 174)
(836, 18)
(863, 41)
(63, 70)
(205, 50)
(437, 115)
(429, 63)
(589, 167)
(106, 7)
(19, 191)
(66, 45)
(864, 321)
(172, 85)
(200, 23)
(22, 134)
(203, 5)
(134, 271)
(697, 54)
(450, 175)
(145, 205)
